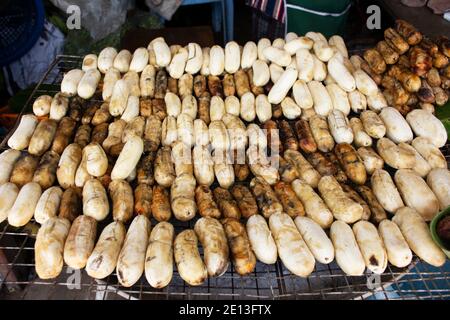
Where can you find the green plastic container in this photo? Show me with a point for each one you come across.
(434, 234)
(326, 16)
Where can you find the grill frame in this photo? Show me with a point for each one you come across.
(417, 281)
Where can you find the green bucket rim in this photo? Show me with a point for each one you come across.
(316, 12)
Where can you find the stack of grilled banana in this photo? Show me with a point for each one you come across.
(413, 70)
(278, 149)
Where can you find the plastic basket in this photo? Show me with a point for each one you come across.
(21, 24)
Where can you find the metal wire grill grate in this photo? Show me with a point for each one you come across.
(19, 280)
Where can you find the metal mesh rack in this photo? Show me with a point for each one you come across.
(19, 281)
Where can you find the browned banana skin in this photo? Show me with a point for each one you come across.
(396, 95)
(401, 96)
(440, 60)
(413, 100)
(289, 200)
(390, 56)
(367, 69)
(122, 200)
(445, 82)
(352, 194)
(378, 213)
(244, 259)
(287, 170)
(387, 81)
(145, 107)
(425, 93)
(349, 160)
(89, 113)
(403, 61)
(99, 133)
(227, 205)
(306, 140)
(444, 45)
(144, 172)
(321, 133)
(143, 200)
(215, 86)
(404, 109)
(389, 96)
(186, 85)
(241, 169)
(429, 46)
(75, 108)
(421, 62)
(396, 41)
(203, 107)
(408, 32)
(323, 165)
(152, 139)
(255, 89)
(375, 61)
(229, 88)
(238, 156)
(440, 95)
(245, 200)
(273, 136)
(161, 83)
(45, 174)
(159, 108)
(287, 136)
(434, 78)
(446, 71)
(43, 136)
(70, 206)
(83, 135)
(277, 111)
(266, 198)
(116, 149)
(64, 134)
(23, 170)
(410, 81)
(161, 203)
(172, 85)
(199, 85)
(206, 205)
(241, 82)
(340, 175)
(105, 179)
(102, 115)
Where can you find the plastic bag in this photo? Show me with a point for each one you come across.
(100, 17)
(30, 68)
(165, 8)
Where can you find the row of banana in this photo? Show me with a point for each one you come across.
(302, 64)
(412, 69)
(298, 242)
